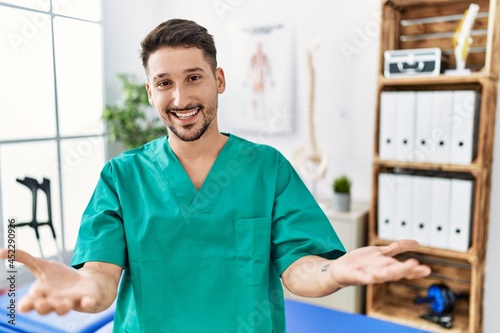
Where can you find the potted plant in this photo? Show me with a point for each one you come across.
(132, 120)
(342, 193)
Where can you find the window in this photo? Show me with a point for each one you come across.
(50, 115)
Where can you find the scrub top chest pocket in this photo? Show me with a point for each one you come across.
(253, 249)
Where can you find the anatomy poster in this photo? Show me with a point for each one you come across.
(261, 79)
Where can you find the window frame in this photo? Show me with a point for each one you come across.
(59, 139)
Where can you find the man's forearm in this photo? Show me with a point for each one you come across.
(107, 276)
(313, 276)
(310, 276)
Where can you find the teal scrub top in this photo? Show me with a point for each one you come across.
(205, 260)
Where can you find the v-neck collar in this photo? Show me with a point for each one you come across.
(189, 198)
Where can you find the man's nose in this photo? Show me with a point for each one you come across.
(181, 97)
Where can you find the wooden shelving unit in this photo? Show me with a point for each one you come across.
(408, 24)
(478, 78)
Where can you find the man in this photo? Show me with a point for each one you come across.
(201, 224)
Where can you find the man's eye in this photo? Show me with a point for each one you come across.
(163, 84)
(194, 78)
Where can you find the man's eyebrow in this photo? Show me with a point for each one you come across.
(159, 76)
(187, 70)
(194, 69)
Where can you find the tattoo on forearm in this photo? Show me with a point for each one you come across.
(325, 268)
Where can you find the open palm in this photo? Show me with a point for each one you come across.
(376, 264)
(58, 287)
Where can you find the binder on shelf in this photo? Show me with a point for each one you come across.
(387, 134)
(424, 142)
(440, 212)
(441, 126)
(404, 202)
(405, 125)
(460, 214)
(422, 208)
(463, 124)
(387, 184)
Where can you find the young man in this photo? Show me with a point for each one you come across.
(201, 224)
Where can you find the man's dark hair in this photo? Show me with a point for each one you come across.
(178, 32)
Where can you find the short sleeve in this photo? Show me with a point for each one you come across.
(300, 227)
(101, 236)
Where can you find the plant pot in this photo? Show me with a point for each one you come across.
(341, 202)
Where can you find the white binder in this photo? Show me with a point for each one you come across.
(387, 184)
(404, 202)
(422, 208)
(424, 143)
(405, 125)
(460, 214)
(387, 134)
(463, 124)
(441, 126)
(440, 212)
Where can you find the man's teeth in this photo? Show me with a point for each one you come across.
(186, 115)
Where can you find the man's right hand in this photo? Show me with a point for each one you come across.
(60, 288)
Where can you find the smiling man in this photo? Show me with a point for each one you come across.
(200, 226)
(180, 76)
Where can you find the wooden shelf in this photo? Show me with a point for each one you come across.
(409, 315)
(411, 3)
(395, 301)
(410, 24)
(477, 78)
(474, 169)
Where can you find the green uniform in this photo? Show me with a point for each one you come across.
(208, 260)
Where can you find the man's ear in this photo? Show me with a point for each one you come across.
(150, 96)
(221, 80)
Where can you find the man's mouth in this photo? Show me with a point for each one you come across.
(185, 115)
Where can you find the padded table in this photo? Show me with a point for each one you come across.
(307, 318)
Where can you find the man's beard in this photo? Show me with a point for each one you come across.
(208, 114)
(191, 136)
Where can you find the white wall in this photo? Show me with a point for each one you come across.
(125, 23)
(346, 86)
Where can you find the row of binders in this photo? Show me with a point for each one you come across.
(429, 126)
(434, 211)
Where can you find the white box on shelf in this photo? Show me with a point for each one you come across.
(423, 126)
(440, 212)
(404, 202)
(422, 208)
(388, 116)
(461, 203)
(386, 218)
(441, 126)
(463, 126)
(405, 125)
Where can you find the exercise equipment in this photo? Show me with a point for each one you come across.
(441, 301)
(443, 320)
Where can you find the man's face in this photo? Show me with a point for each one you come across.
(184, 90)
